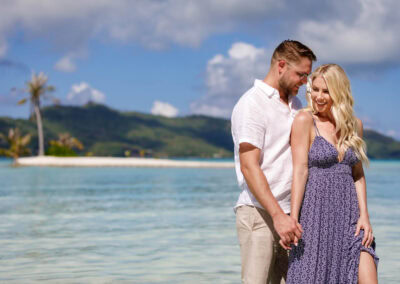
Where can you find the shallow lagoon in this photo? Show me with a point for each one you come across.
(137, 225)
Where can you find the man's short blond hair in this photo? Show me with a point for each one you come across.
(292, 51)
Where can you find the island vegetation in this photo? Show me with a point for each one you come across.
(107, 132)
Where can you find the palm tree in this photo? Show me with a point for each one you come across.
(17, 143)
(37, 89)
(63, 146)
(66, 140)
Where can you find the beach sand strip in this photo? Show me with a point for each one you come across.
(50, 161)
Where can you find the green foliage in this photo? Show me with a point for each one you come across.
(111, 148)
(106, 132)
(17, 144)
(381, 147)
(60, 151)
(63, 147)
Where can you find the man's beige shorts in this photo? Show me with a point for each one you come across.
(263, 259)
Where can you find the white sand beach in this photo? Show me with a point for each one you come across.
(50, 161)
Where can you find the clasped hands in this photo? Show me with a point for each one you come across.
(288, 229)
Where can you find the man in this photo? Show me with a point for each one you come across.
(261, 123)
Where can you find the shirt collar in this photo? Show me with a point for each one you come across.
(266, 89)
(274, 93)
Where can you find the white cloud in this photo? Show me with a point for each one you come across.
(82, 93)
(164, 109)
(156, 24)
(356, 32)
(369, 37)
(65, 64)
(228, 77)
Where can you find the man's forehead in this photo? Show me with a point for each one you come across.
(304, 64)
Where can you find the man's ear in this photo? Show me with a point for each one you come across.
(281, 66)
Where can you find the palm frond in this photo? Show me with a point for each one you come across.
(21, 102)
(65, 140)
(25, 140)
(17, 143)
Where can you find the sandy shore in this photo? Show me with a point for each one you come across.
(49, 161)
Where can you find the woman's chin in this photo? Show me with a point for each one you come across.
(322, 110)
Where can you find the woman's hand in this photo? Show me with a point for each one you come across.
(364, 224)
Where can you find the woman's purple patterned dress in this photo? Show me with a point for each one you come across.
(328, 251)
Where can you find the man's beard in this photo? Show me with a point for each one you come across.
(286, 87)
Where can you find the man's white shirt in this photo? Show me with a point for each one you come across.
(263, 120)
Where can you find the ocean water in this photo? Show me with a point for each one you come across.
(142, 225)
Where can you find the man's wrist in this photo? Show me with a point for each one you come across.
(277, 213)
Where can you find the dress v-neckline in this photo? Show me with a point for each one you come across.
(318, 134)
(326, 140)
(330, 144)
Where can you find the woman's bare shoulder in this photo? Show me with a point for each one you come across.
(303, 118)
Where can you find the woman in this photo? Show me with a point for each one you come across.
(337, 243)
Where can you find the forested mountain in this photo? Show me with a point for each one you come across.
(107, 132)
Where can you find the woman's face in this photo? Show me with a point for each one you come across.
(320, 97)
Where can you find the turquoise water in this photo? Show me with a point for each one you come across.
(138, 225)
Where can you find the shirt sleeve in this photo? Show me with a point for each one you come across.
(248, 124)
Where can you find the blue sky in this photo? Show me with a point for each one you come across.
(180, 57)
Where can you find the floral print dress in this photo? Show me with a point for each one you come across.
(328, 251)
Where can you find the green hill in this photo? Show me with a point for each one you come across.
(107, 132)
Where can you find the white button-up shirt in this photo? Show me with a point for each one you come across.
(263, 120)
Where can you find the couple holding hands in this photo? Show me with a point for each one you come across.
(302, 214)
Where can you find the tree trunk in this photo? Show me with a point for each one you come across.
(40, 129)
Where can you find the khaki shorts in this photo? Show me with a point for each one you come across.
(263, 259)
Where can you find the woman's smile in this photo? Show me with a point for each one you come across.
(320, 96)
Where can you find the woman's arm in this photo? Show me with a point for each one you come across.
(361, 189)
(300, 143)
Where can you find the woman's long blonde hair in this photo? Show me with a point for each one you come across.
(342, 109)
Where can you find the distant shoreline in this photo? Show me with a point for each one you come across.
(50, 161)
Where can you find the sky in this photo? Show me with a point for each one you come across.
(183, 57)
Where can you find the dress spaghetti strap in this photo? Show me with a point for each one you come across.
(315, 125)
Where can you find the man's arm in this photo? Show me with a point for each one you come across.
(286, 226)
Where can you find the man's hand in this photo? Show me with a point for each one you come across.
(288, 229)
